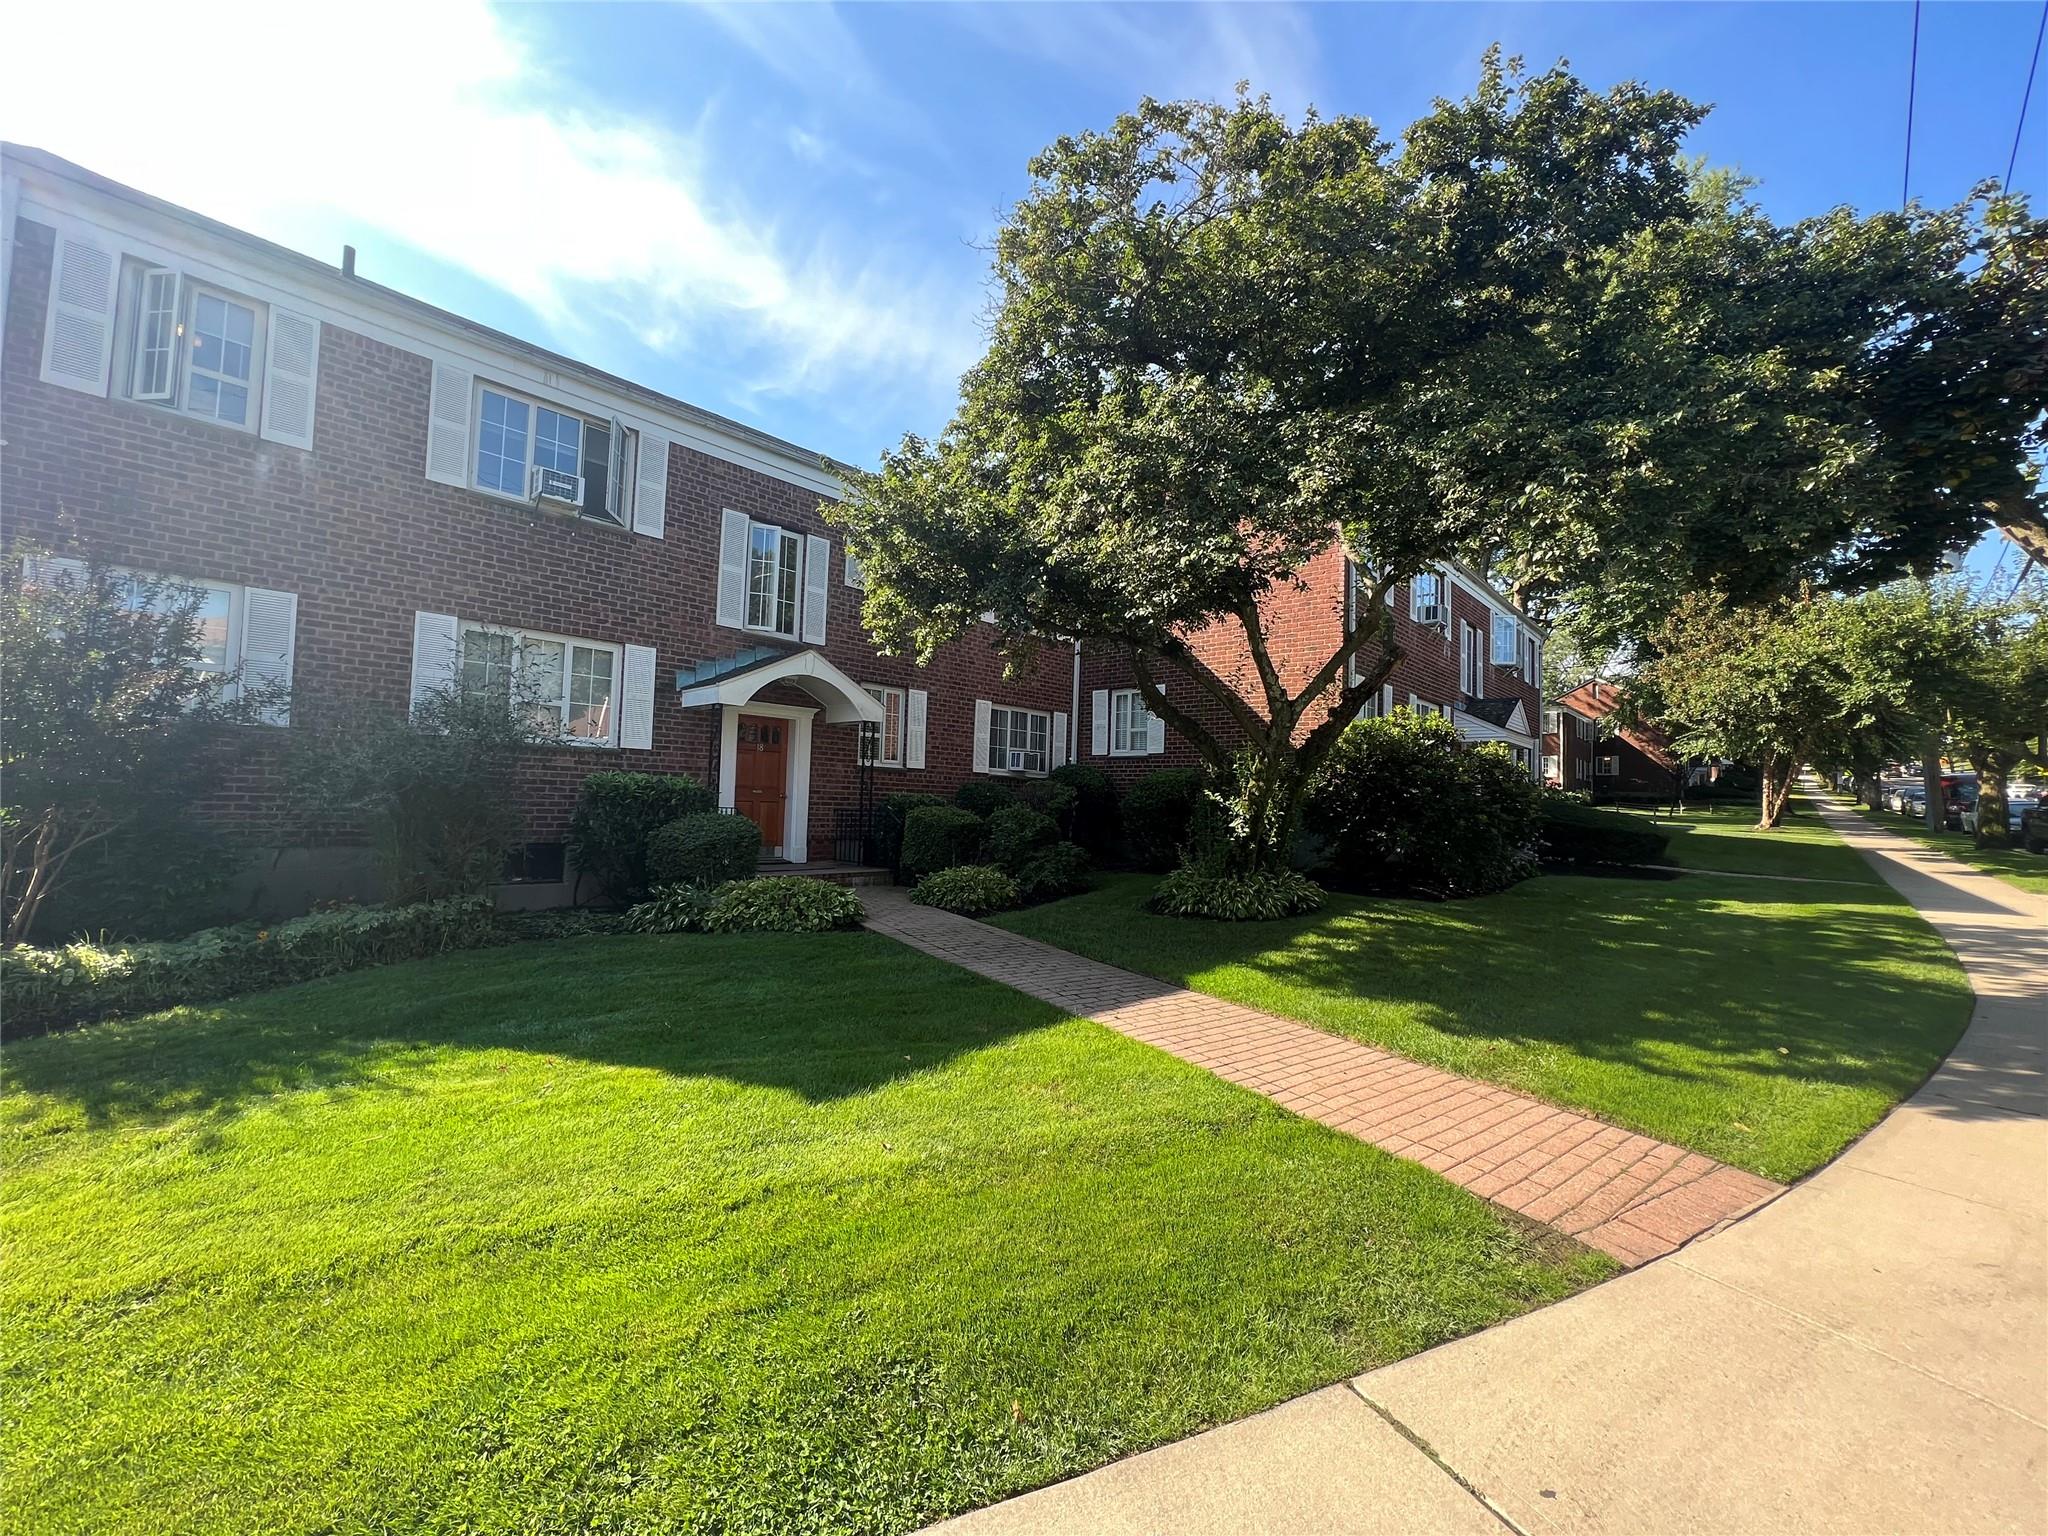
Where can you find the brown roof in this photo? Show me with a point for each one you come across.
(1599, 701)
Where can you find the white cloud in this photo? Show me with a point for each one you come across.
(1166, 51)
(435, 125)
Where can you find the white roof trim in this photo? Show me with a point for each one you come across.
(844, 699)
(149, 228)
(1472, 728)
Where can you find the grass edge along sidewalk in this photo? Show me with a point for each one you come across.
(1765, 1024)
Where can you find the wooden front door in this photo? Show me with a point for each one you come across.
(761, 780)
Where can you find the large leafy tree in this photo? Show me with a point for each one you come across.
(1224, 344)
(1813, 679)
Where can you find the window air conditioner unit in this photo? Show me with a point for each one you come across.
(1433, 613)
(1016, 761)
(553, 485)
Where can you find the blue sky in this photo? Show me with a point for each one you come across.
(779, 211)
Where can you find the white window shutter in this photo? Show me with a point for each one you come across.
(270, 622)
(981, 735)
(78, 331)
(1059, 738)
(1156, 741)
(636, 699)
(291, 378)
(1098, 722)
(817, 588)
(913, 729)
(1387, 700)
(436, 651)
(448, 424)
(732, 569)
(650, 486)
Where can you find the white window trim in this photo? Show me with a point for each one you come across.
(1136, 743)
(623, 492)
(520, 637)
(1416, 602)
(881, 693)
(747, 579)
(130, 287)
(1005, 770)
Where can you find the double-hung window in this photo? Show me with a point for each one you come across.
(532, 451)
(1425, 593)
(193, 347)
(882, 745)
(568, 688)
(1018, 740)
(774, 577)
(211, 605)
(1471, 678)
(1607, 767)
(1130, 724)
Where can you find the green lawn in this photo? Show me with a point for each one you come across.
(2028, 871)
(1764, 1023)
(1725, 837)
(724, 1234)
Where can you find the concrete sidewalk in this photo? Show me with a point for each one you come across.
(1868, 1353)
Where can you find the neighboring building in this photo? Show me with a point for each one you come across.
(1466, 653)
(1571, 740)
(380, 497)
(1629, 761)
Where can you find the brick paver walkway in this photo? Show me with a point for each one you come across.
(1627, 1195)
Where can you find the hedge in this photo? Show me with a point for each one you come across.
(937, 837)
(708, 848)
(48, 988)
(764, 904)
(1578, 834)
(617, 814)
(1156, 812)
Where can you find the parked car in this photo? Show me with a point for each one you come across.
(1962, 804)
(2033, 833)
(2016, 808)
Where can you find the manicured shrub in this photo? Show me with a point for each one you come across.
(1405, 804)
(937, 837)
(617, 815)
(984, 797)
(159, 878)
(1156, 812)
(1093, 820)
(1016, 832)
(48, 988)
(782, 904)
(1578, 834)
(672, 909)
(1258, 896)
(889, 822)
(1058, 870)
(708, 848)
(972, 890)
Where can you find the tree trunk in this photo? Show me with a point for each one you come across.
(1992, 830)
(1777, 788)
(1935, 811)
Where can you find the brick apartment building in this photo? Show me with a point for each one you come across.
(1571, 747)
(1466, 653)
(379, 498)
(1628, 761)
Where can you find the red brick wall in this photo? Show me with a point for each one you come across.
(357, 531)
(1304, 625)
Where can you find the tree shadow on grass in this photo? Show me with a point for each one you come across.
(822, 1016)
(1683, 981)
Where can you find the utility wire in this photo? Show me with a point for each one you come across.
(1912, 81)
(2026, 96)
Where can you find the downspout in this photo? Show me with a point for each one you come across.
(1074, 711)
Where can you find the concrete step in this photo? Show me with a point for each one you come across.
(832, 871)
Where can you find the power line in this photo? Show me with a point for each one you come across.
(1912, 81)
(2026, 96)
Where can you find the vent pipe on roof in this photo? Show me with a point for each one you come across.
(348, 261)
